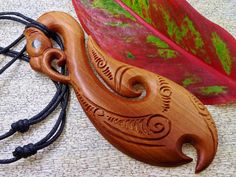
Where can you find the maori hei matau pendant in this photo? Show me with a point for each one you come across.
(143, 114)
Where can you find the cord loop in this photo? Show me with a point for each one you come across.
(60, 98)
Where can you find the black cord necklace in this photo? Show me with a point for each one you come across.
(61, 96)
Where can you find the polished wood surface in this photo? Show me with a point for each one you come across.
(143, 114)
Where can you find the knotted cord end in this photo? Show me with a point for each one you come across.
(61, 96)
(21, 126)
(25, 151)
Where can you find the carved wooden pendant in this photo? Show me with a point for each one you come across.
(141, 113)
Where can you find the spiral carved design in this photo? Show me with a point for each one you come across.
(101, 62)
(102, 65)
(150, 127)
(165, 92)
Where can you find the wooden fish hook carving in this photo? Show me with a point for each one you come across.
(149, 123)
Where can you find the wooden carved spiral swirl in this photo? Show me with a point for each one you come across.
(143, 114)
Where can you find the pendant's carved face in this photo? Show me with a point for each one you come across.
(42, 53)
(37, 42)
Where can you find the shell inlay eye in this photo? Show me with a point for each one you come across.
(36, 44)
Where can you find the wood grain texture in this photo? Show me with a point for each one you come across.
(166, 37)
(141, 113)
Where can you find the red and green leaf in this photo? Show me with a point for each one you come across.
(168, 37)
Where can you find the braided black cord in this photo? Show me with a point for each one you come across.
(61, 96)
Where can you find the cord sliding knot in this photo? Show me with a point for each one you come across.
(21, 126)
(25, 151)
(61, 95)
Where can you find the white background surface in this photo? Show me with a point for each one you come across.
(81, 151)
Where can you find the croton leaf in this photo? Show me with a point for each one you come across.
(168, 37)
